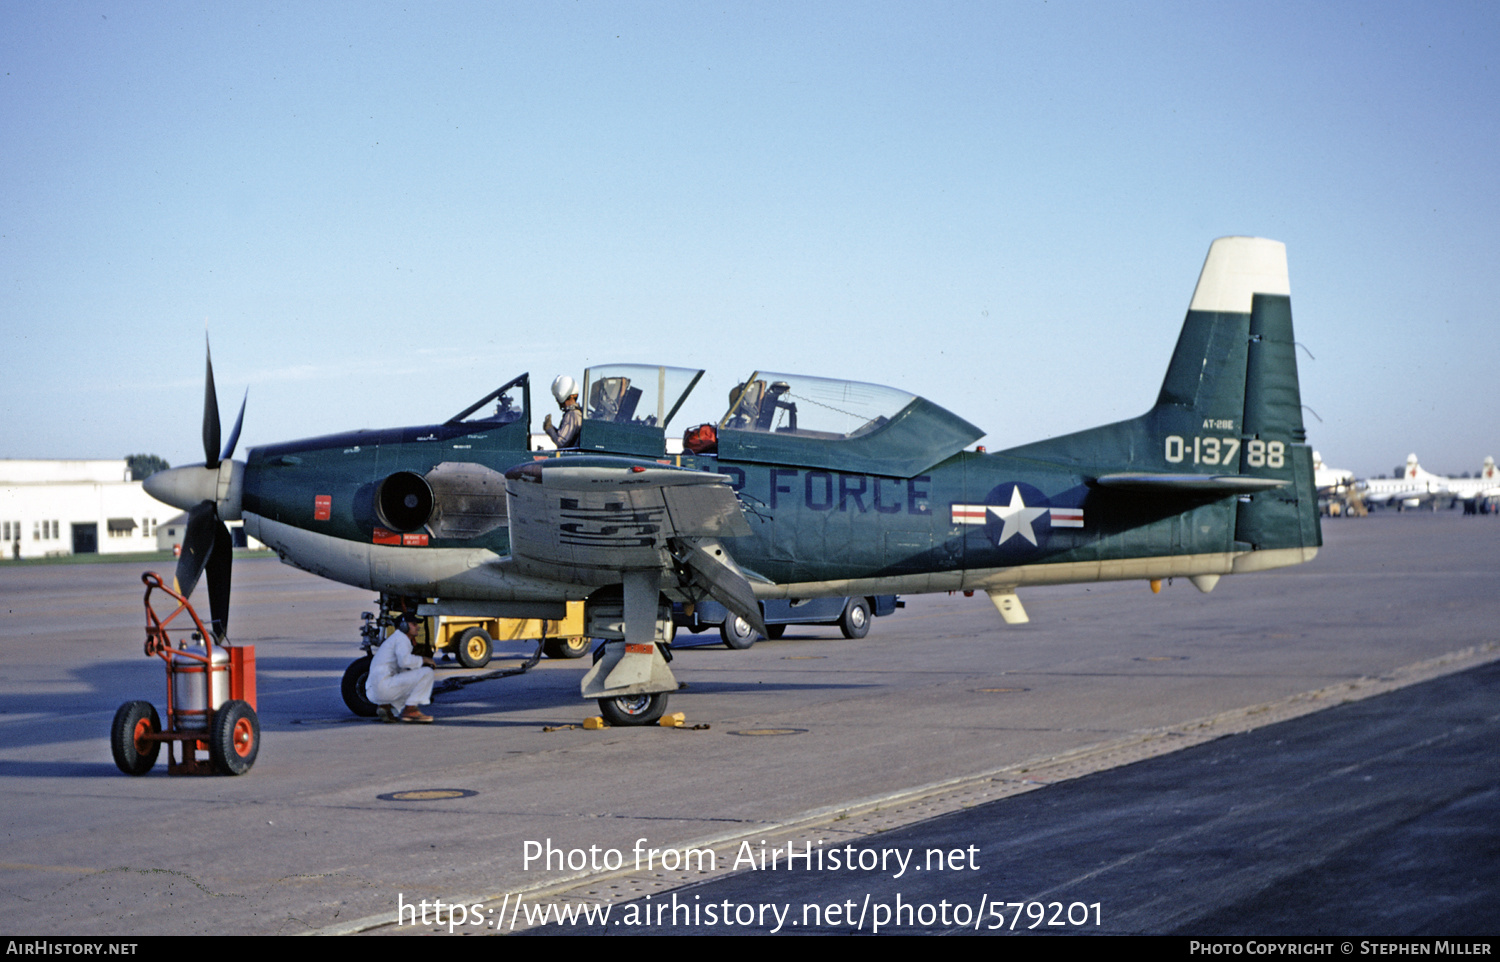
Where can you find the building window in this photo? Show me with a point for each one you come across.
(121, 527)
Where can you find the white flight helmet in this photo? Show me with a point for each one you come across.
(563, 388)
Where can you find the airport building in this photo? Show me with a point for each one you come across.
(77, 507)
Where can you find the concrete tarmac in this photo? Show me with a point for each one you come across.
(940, 709)
(1379, 817)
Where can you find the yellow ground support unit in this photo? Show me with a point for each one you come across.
(472, 639)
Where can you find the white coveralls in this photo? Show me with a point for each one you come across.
(397, 676)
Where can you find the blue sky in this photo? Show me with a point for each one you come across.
(380, 212)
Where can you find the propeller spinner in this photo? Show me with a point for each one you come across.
(210, 494)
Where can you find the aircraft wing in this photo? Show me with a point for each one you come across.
(593, 520)
(1424, 493)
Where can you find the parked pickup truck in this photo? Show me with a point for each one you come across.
(852, 615)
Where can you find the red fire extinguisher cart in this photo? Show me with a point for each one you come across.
(210, 698)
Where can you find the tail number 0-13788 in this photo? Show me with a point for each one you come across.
(1215, 450)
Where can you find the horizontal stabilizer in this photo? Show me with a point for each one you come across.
(1215, 485)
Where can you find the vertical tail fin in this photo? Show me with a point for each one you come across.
(1207, 374)
(1229, 404)
(1274, 437)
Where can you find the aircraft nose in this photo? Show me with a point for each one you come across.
(190, 485)
(184, 487)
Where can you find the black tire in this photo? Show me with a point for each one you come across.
(855, 621)
(737, 633)
(775, 631)
(567, 647)
(234, 740)
(134, 755)
(474, 648)
(628, 710)
(353, 688)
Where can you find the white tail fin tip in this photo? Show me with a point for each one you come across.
(1238, 268)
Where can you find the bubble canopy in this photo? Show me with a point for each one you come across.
(642, 394)
(775, 418)
(847, 426)
(814, 407)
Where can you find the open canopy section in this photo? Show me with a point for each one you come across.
(511, 402)
(642, 394)
(846, 425)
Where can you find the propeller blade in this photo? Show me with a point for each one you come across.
(197, 545)
(210, 412)
(234, 436)
(220, 560)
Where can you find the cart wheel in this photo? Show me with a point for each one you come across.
(575, 647)
(236, 738)
(627, 710)
(133, 753)
(474, 648)
(353, 688)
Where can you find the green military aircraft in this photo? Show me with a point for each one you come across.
(807, 487)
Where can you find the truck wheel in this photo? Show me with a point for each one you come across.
(855, 621)
(737, 632)
(474, 648)
(235, 740)
(775, 631)
(628, 710)
(133, 753)
(575, 647)
(353, 688)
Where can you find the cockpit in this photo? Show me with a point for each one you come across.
(773, 418)
(511, 401)
(627, 407)
(842, 425)
(640, 394)
(811, 407)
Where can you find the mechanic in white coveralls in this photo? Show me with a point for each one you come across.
(399, 678)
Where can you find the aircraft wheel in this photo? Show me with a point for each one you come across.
(133, 753)
(737, 632)
(474, 648)
(775, 631)
(235, 740)
(567, 647)
(628, 710)
(855, 621)
(353, 688)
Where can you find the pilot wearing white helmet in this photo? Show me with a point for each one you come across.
(565, 435)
